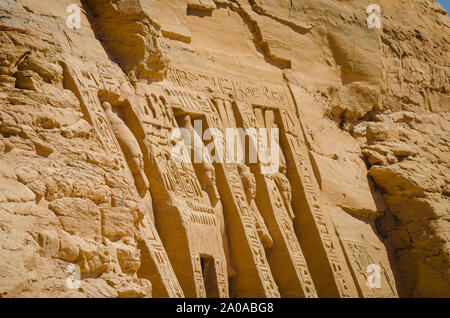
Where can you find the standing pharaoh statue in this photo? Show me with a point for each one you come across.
(130, 148)
(249, 183)
(281, 179)
(284, 186)
(205, 170)
(206, 174)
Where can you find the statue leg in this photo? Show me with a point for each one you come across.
(136, 165)
(226, 244)
(263, 231)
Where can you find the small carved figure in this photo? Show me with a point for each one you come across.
(249, 183)
(205, 172)
(284, 186)
(130, 148)
(282, 181)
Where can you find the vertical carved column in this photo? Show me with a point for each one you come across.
(254, 278)
(198, 277)
(246, 246)
(206, 174)
(221, 278)
(160, 272)
(184, 202)
(313, 225)
(85, 86)
(292, 275)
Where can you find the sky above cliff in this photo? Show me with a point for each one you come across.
(445, 4)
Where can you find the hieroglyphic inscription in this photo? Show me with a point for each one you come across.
(362, 256)
(281, 215)
(199, 103)
(161, 260)
(334, 253)
(249, 91)
(198, 277)
(89, 82)
(285, 224)
(179, 186)
(235, 185)
(86, 82)
(201, 214)
(157, 120)
(221, 278)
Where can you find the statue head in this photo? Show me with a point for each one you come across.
(248, 181)
(107, 106)
(209, 171)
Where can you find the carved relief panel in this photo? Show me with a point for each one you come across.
(87, 84)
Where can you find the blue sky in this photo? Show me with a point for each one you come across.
(445, 4)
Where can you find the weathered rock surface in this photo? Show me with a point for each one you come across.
(94, 204)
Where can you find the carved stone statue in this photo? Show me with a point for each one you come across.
(282, 181)
(205, 170)
(206, 174)
(284, 186)
(130, 148)
(249, 183)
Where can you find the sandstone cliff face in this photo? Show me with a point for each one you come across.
(93, 204)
